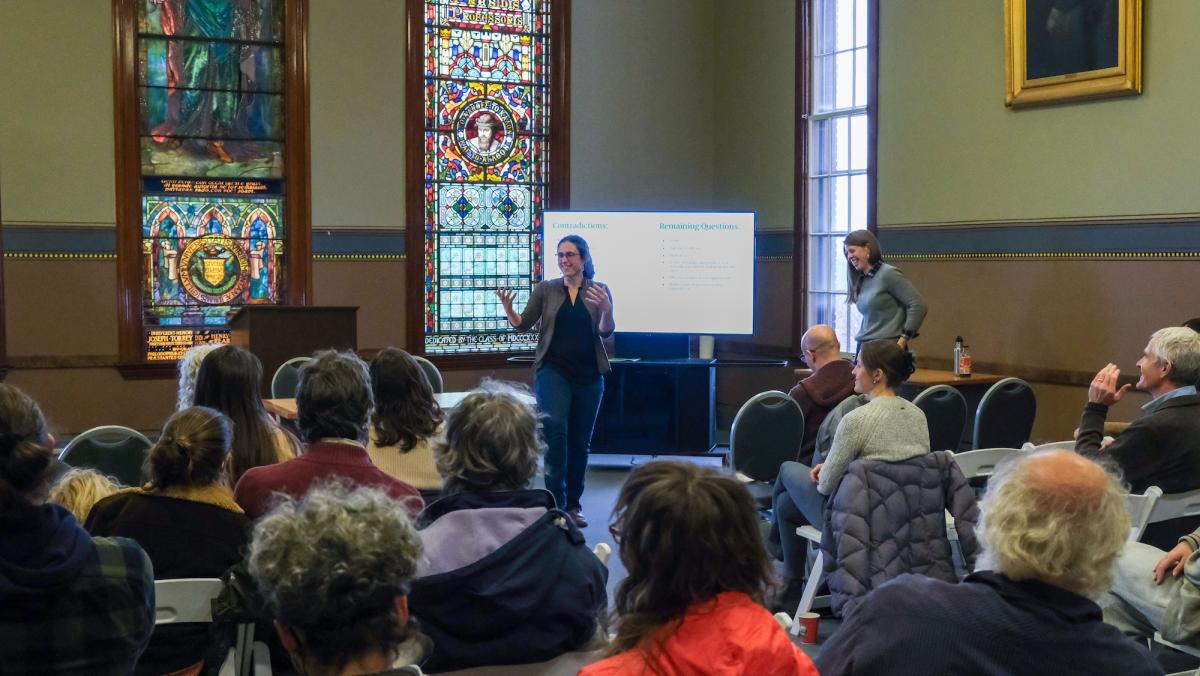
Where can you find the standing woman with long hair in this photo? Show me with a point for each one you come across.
(406, 419)
(576, 315)
(891, 307)
(698, 571)
(228, 381)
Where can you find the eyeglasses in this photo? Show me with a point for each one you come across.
(615, 533)
(567, 254)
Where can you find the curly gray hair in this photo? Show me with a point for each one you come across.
(492, 442)
(1057, 517)
(189, 366)
(331, 565)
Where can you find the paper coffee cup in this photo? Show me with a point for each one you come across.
(809, 626)
(705, 350)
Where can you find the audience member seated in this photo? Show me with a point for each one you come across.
(831, 382)
(79, 489)
(406, 420)
(189, 367)
(506, 577)
(333, 408)
(228, 381)
(690, 541)
(1155, 590)
(335, 569)
(69, 603)
(1053, 524)
(1162, 446)
(886, 428)
(186, 520)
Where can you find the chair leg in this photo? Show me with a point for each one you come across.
(815, 577)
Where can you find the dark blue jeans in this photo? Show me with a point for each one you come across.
(570, 411)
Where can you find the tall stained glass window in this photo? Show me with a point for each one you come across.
(211, 175)
(486, 93)
(838, 155)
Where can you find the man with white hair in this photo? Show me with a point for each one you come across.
(1053, 524)
(1162, 447)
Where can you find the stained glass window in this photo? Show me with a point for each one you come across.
(486, 108)
(210, 110)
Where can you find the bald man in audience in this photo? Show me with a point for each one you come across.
(1053, 524)
(829, 384)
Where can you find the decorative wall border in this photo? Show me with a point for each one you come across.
(1157, 239)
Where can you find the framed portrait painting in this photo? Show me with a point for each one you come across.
(1071, 50)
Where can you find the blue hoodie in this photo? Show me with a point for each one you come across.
(70, 603)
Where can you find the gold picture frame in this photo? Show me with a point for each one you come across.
(1071, 50)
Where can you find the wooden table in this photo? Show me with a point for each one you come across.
(923, 378)
(286, 408)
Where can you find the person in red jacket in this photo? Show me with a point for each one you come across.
(697, 573)
(831, 382)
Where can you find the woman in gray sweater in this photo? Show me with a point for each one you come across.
(887, 427)
(891, 307)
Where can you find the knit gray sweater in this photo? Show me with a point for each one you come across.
(890, 306)
(887, 428)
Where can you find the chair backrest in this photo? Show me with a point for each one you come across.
(110, 449)
(1141, 507)
(287, 378)
(1005, 415)
(945, 411)
(184, 600)
(432, 374)
(767, 430)
(982, 462)
(1051, 446)
(1175, 505)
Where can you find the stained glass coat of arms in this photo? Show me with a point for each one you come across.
(486, 84)
(211, 121)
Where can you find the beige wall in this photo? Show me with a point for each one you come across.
(756, 111)
(56, 114)
(950, 151)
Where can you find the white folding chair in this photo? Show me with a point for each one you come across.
(1192, 650)
(1068, 445)
(982, 462)
(1175, 506)
(190, 600)
(816, 575)
(1141, 507)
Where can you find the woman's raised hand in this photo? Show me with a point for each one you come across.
(596, 296)
(506, 298)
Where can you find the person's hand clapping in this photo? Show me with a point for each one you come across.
(597, 297)
(1173, 561)
(815, 474)
(1104, 390)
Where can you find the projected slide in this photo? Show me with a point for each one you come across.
(670, 272)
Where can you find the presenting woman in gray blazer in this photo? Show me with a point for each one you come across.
(576, 314)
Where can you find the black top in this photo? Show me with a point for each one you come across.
(185, 539)
(571, 352)
(987, 625)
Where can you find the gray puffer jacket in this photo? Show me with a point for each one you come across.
(888, 518)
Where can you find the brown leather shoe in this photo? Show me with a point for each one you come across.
(578, 517)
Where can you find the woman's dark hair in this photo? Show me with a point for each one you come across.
(854, 278)
(686, 534)
(228, 382)
(585, 254)
(405, 409)
(896, 362)
(333, 397)
(24, 453)
(191, 450)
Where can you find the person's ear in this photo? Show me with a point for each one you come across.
(402, 610)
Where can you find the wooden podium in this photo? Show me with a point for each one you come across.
(276, 333)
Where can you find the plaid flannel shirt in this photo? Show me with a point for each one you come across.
(99, 624)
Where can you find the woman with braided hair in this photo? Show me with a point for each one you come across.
(186, 520)
(69, 603)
